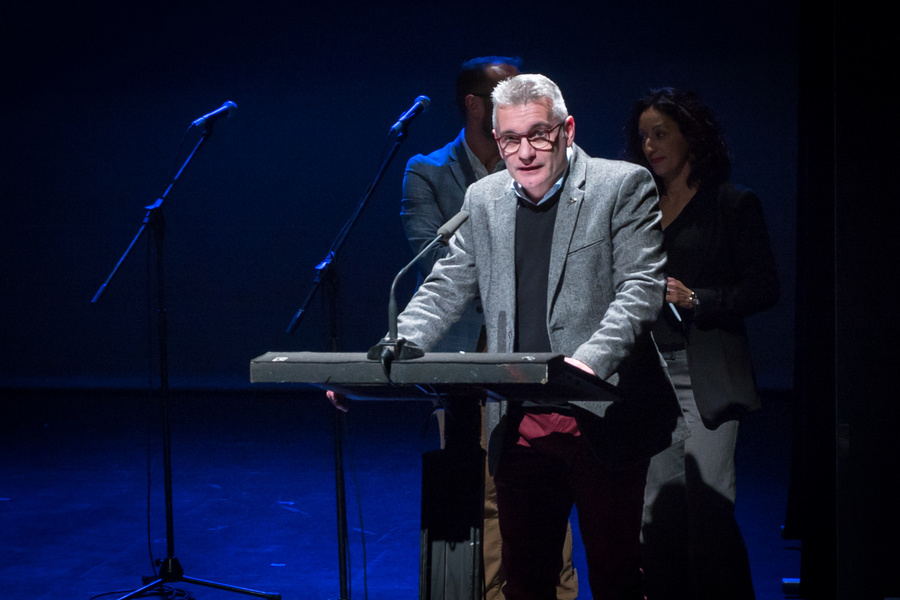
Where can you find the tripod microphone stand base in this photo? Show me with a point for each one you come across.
(171, 572)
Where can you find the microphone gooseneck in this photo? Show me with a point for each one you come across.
(393, 347)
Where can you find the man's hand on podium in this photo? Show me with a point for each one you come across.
(579, 365)
(339, 400)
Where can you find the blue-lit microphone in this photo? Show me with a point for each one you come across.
(226, 110)
(419, 106)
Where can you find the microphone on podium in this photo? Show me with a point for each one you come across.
(392, 347)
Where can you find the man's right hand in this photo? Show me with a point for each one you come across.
(339, 400)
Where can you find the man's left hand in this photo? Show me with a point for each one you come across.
(579, 365)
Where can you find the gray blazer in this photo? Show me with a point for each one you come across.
(605, 291)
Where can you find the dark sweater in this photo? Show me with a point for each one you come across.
(534, 237)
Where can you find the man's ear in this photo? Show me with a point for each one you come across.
(569, 125)
(474, 105)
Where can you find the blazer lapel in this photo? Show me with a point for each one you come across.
(503, 265)
(460, 167)
(570, 202)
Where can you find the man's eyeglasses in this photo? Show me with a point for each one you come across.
(540, 139)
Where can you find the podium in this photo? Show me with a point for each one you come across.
(522, 376)
(452, 478)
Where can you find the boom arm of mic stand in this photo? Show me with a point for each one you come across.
(152, 210)
(342, 236)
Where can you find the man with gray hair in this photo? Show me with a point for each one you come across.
(434, 187)
(565, 252)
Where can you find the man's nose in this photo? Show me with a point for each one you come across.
(525, 151)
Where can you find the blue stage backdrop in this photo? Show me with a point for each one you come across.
(99, 96)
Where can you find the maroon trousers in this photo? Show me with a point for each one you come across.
(536, 489)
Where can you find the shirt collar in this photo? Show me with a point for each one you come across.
(477, 165)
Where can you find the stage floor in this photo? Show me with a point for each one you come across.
(82, 503)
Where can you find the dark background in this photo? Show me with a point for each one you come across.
(98, 96)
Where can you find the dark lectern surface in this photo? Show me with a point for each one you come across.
(520, 376)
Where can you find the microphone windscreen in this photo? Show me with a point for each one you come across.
(447, 230)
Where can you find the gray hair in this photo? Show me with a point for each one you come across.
(523, 89)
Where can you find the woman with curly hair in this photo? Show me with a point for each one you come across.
(720, 269)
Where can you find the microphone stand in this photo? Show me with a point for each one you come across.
(170, 568)
(326, 276)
